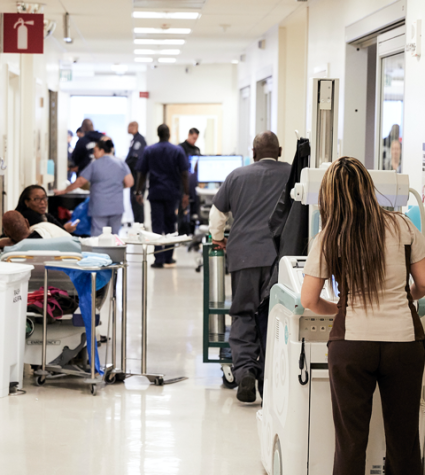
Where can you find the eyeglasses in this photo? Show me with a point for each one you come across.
(40, 199)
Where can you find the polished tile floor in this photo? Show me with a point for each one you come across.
(195, 427)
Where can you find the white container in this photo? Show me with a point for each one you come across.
(13, 311)
(107, 238)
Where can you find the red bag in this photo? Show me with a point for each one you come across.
(36, 298)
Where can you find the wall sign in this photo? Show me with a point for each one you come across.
(144, 95)
(23, 33)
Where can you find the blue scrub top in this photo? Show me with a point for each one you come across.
(165, 163)
(106, 176)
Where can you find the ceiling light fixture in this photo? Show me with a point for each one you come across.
(142, 41)
(167, 60)
(235, 61)
(162, 31)
(67, 28)
(156, 51)
(143, 60)
(168, 15)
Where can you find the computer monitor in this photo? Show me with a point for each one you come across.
(215, 168)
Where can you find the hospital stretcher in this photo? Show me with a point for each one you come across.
(62, 343)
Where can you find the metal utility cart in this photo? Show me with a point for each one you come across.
(211, 340)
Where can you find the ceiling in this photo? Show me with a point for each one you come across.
(102, 30)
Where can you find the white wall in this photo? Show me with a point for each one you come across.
(414, 104)
(204, 84)
(260, 64)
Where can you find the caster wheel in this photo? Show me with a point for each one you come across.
(93, 389)
(120, 377)
(228, 378)
(159, 382)
(40, 380)
(111, 378)
(277, 458)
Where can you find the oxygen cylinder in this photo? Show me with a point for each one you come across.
(217, 292)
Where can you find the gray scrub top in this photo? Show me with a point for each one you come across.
(251, 194)
(106, 176)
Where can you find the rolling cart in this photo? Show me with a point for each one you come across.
(211, 340)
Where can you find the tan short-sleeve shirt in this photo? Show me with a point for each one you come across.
(392, 319)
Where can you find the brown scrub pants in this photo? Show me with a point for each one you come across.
(355, 367)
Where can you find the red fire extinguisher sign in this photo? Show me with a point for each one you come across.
(23, 33)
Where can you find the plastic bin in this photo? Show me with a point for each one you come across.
(13, 307)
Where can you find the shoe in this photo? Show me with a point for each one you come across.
(246, 388)
(157, 265)
(172, 263)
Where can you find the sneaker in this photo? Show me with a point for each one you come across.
(246, 388)
(172, 263)
(157, 265)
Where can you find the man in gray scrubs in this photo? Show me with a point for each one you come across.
(251, 194)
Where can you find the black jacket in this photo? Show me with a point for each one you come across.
(83, 151)
(138, 145)
(189, 149)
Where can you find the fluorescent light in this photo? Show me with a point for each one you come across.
(166, 60)
(162, 31)
(156, 51)
(143, 60)
(142, 41)
(235, 61)
(168, 16)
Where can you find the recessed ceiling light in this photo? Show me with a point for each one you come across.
(166, 60)
(163, 31)
(143, 41)
(235, 61)
(143, 60)
(168, 15)
(156, 51)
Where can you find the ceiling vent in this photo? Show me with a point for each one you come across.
(169, 5)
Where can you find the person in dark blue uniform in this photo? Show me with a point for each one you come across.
(137, 146)
(82, 155)
(167, 167)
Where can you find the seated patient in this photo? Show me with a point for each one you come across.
(17, 228)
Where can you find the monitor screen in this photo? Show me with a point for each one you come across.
(215, 168)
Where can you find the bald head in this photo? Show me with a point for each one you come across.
(87, 126)
(133, 127)
(15, 226)
(266, 145)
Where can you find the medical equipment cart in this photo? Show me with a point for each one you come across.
(90, 377)
(222, 308)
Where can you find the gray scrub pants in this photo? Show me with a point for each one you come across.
(248, 288)
(98, 222)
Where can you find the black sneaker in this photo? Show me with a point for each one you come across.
(157, 265)
(246, 388)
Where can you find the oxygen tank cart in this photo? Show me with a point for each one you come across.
(216, 307)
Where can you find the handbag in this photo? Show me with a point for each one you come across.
(59, 303)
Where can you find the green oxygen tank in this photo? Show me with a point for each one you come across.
(217, 292)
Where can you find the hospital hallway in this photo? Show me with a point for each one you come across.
(189, 428)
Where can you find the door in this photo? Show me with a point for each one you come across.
(245, 142)
(264, 105)
(390, 99)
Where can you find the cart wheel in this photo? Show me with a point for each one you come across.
(40, 380)
(277, 458)
(198, 269)
(111, 378)
(93, 389)
(159, 381)
(120, 377)
(228, 378)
